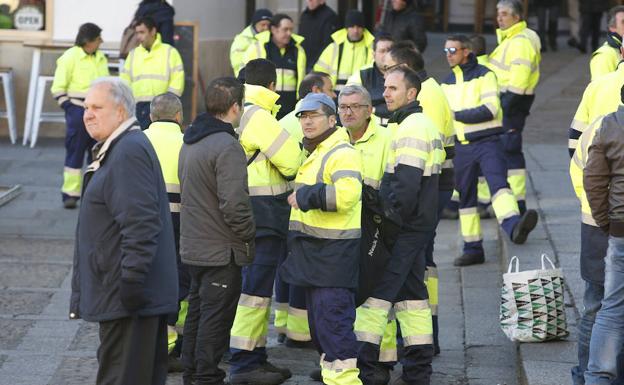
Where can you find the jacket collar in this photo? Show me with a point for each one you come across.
(411, 108)
(157, 43)
(511, 31)
(100, 149)
(249, 32)
(371, 130)
(470, 65)
(261, 96)
(337, 136)
(204, 125)
(166, 125)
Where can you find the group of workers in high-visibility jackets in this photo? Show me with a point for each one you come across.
(346, 189)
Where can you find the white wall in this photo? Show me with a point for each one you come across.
(110, 15)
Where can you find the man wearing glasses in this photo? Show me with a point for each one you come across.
(324, 236)
(472, 92)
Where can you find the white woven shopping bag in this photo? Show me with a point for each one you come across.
(532, 303)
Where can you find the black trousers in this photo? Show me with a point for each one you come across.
(590, 25)
(213, 298)
(133, 351)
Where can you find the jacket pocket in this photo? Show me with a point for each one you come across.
(107, 263)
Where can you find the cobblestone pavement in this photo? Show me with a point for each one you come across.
(39, 345)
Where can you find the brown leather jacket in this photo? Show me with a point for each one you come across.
(603, 178)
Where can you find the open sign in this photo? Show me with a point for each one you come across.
(28, 18)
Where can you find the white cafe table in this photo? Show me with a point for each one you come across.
(55, 46)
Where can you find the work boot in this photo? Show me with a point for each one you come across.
(469, 259)
(257, 376)
(449, 213)
(290, 343)
(522, 229)
(269, 367)
(174, 365)
(483, 211)
(381, 375)
(315, 375)
(281, 338)
(70, 203)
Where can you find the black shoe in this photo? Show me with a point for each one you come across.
(174, 365)
(449, 213)
(258, 376)
(436, 350)
(285, 372)
(315, 375)
(484, 212)
(70, 203)
(281, 338)
(290, 343)
(522, 229)
(381, 375)
(469, 259)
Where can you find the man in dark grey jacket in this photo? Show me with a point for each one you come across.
(217, 228)
(404, 23)
(125, 274)
(603, 182)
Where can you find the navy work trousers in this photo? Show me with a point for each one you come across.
(77, 142)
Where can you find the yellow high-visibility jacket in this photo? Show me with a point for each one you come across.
(241, 42)
(273, 156)
(472, 92)
(287, 80)
(324, 232)
(154, 72)
(604, 60)
(577, 166)
(601, 97)
(75, 70)
(167, 139)
(516, 59)
(349, 56)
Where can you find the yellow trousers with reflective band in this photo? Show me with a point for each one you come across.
(250, 326)
(483, 192)
(431, 280)
(172, 334)
(297, 327)
(388, 347)
(281, 317)
(340, 372)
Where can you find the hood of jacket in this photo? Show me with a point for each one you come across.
(204, 125)
(405, 111)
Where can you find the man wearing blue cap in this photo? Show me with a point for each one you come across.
(323, 239)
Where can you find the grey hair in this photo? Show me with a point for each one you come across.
(356, 89)
(119, 91)
(515, 6)
(165, 106)
(611, 15)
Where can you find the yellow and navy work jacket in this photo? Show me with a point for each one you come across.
(605, 59)
(154, 72)
(324, 233)
(436, 107)
(290, 63)
(515, 61)
(167, 139)
(75, 70)
(472, 92)
(409, 187)
(342, 57)
(273, 157)
(483, 60)
(371, 78)
(601, 97)
(577, 167)
(241, 42)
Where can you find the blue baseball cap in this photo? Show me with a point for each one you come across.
(313, 102)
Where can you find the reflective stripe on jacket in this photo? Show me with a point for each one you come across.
(154, 72)
(75, 71)
(350, 56)
(516, 59)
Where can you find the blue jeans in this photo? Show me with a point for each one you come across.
(608, 332)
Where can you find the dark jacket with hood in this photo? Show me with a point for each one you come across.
(406, 24)
(162, 13)
(317, 27)
(216, 219)
(124, 233)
